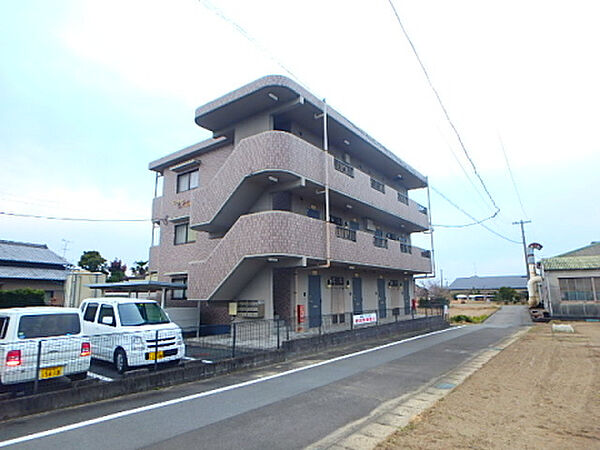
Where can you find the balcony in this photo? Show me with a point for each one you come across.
(258, 160)
(260, 237)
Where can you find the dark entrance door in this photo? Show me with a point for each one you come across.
(406, 297)
(314, 300)
(382, 302)
(357, 301)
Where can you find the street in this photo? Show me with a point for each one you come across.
(290, 406)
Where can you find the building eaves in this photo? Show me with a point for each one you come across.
(571, 263)
(218, 114)
(32, 273)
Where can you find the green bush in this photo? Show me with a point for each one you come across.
(21, 297)
(469, 319)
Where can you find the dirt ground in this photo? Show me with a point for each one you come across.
(543, 391)
(471, 308)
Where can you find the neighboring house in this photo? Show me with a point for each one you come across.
(571, 283)
(241, 217)
(483, 288)
(25, 265)
(77, 286)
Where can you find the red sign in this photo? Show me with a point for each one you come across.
(300, 309)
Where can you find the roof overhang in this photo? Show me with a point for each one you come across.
(270, 93)
(137, 286)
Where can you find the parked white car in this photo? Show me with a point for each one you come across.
(55, 333)
(131, 332)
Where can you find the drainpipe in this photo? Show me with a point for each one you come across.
(327, 265)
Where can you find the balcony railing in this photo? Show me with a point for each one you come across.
(426, 253)
(403, 198)
(345, 233)
(405, 248)
(380, 242)
(343, 167)
(378, 185)
(422, 209)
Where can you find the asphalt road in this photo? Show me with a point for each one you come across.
(289, 406)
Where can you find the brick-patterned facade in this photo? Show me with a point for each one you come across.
(258, 210)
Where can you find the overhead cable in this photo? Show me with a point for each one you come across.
(446, 114)
(512, 178)
(476, 221)
(73, 219)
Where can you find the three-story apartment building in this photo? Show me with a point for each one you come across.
(289, 209)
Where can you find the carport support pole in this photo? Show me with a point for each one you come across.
(156, 350)
(37, 367)
(163, 297)
(233, 336)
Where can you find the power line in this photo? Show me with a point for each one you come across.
(514, 183)
(476, 222)
(446, 114)
(73, 219)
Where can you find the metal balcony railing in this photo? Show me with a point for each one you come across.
(343, 167)
(378, 185)
(345, 233)
(380, 242)
(403, 198)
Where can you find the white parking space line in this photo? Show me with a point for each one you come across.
(188, 358)
(99, 377)
(175, 401)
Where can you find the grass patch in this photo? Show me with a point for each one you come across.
(461, 318)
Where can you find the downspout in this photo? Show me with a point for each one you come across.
(327, 264)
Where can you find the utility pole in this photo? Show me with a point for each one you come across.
(523, 222)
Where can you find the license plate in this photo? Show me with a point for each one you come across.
(156, 355)
(51, 372)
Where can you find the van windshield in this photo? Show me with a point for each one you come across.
(134, 314)
(46, 325)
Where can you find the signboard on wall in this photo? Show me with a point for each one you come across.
(364, 319)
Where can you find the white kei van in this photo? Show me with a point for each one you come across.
(131, 332)
(53, 332)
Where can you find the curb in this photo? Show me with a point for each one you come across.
(385, 420)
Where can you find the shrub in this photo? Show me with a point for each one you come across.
(21, 297)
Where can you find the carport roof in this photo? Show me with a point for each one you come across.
(139, 286)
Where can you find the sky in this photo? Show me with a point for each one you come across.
(91, 92)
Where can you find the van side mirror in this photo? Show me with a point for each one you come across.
(107, 320)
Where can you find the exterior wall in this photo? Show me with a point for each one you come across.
(551, 294)
(76, 287)
(253, 125)
(260, 288)
(55, 290)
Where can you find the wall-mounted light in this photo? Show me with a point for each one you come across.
(346, 141)
(273, 96)
(272, 260)
(273, 179)
(349, 206)
(351, 267)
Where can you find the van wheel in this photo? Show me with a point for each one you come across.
(121, 361)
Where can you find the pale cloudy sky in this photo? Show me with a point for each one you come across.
(90, 92)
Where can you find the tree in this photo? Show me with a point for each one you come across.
(506, 294)
(117, 271)
(21, 297)
(92, 261)
(140, 269)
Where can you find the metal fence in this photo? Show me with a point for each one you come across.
(240, 338)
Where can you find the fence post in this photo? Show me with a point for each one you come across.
(37, 367)
(156, 351)
(277, 334)
(233, 337)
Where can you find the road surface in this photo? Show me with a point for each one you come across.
(289, 406)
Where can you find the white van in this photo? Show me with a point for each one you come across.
(54, 333)
(131, 332)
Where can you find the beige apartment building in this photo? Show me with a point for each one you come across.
(240, 218)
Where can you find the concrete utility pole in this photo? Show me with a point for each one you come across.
(523, 222)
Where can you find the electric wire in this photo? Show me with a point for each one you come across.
(73, 219)
(445, 111)
(512, 178)
(476, 222)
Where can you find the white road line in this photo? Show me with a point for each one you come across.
(188, 358)
(175, 401)
(99, 377)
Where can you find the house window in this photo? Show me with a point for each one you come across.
(183, 234)
(179, 294)
(579, 289)
(188, 180)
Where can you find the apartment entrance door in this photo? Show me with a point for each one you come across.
(406, 297)
(357, 300)
(382, 300)
(314, 301)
